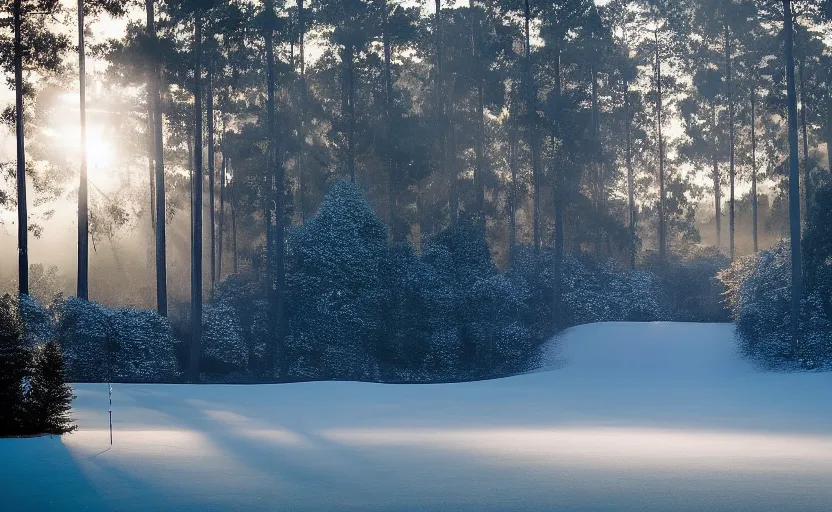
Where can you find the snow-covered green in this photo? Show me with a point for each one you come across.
(623, 417)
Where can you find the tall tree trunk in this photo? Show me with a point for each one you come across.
(450, 149)
(559, 193)
(754, 204)
(631, 207)
(22, 219)
(83, 207)
(531, 111)
(794, 179)
(303, 101)
(276, 353)
(717, 184)
(829, 125)
(392, 185)
(441, 115)
(232, 201)
(220, 224)
(512, 193)
(731, 173)
(151, 178)
(348, 107)
(807, 177)
(598, 194)
(211, 181)
(479, 108)
(662, 210)
(196, 226)
(158, 146)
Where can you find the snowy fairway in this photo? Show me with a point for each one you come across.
(639, 417)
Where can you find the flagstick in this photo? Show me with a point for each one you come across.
(110, 387)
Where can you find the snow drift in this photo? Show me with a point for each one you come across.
(640, 417)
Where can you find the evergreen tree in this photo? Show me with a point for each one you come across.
(49, 399)
(14, 362)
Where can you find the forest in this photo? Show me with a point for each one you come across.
(401, 191)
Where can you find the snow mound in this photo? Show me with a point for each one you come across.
(639, 350)
(636, 417)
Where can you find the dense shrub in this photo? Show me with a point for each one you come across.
(759, 297)
(86, 336)
(335, 293)
(38, 323)
(420, 341)
(49, 398)
(244, 295)
(122, 345)
(15, 358)
(489, 308)
(34, 397)
(688, 285)
(222, 338)
(144, 347)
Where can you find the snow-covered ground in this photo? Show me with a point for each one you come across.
(636, 417)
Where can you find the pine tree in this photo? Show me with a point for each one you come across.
(14, 359)
(49, 399)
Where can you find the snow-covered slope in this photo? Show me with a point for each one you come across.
(636, 417)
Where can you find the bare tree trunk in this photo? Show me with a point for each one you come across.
(829, 125)
(450, 148)
(211, 180)
(559, 192)
(22, 219)
(631, 207)
(731, 171)
(151, 178)
(83, 207)
(234, 261)
(303, 102)
(807, 177)
(196, 225)
(276, 353)
(717, 188)
(220, 223)
(348, 107)
(754, 204)
(662, 211)
(598, 193)
(441, 115)
(531, 111)
(794, 179)
(392, 185)
(158, 146)
(479, 108)
(512, 193)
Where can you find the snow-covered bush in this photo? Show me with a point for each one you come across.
(144, 346)
(533, 281)
(243, 295)
(335, 289)
(122, 345)
(38, 322)
(222, 336)
(759, 297)
(689, 288)
(421, 339)
(87, 340)
(638, 297)
(461, 251)
(495, 340)
(586, 293)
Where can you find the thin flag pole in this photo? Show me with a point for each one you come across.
(110, 410)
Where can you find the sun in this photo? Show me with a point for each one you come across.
(99, 153)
